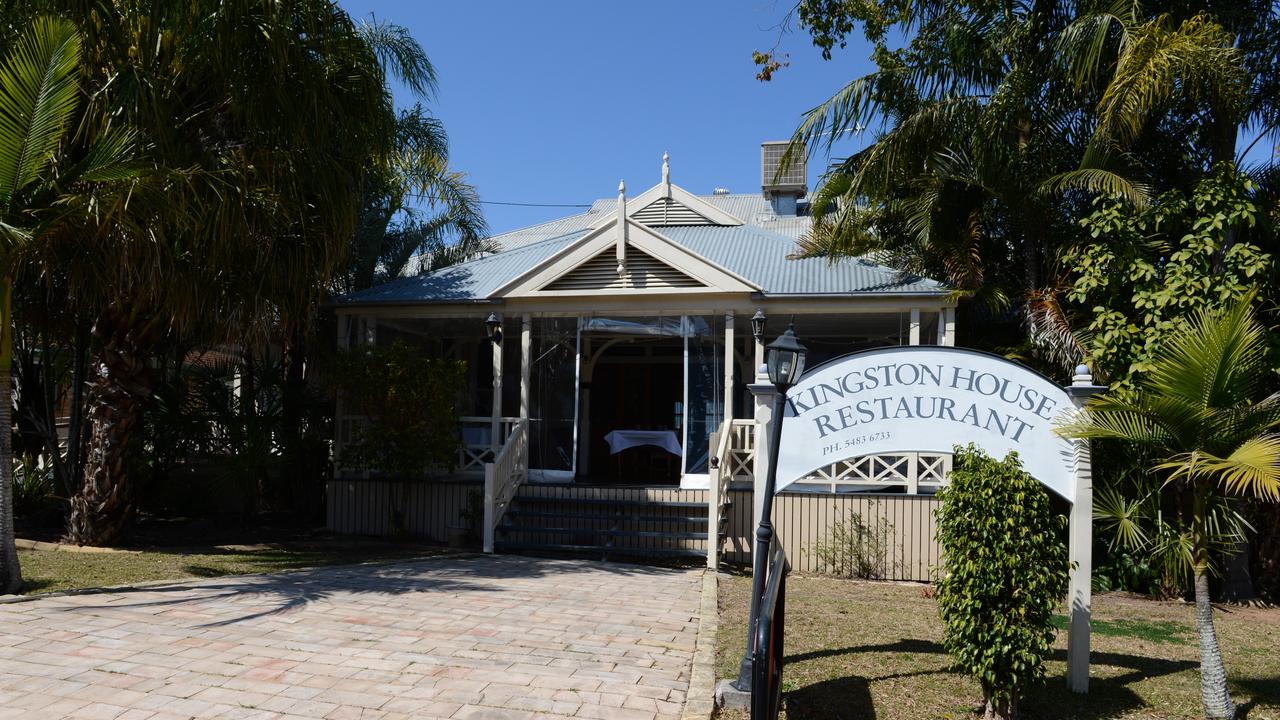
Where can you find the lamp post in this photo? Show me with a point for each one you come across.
(784, 359)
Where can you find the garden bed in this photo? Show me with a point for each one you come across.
(859, 649)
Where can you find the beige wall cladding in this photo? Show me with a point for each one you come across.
(365, 507)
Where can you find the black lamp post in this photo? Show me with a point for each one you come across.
(784, 359)
(493, 328)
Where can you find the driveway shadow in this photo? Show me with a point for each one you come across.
(288, 591)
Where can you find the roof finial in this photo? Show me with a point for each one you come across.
(621, 246)
(666, 175)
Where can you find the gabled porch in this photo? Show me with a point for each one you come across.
(542, 382)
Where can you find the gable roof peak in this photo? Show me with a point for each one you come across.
(670, 195)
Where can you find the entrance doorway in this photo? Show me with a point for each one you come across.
(634, 413)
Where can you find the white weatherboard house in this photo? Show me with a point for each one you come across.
(613, 414)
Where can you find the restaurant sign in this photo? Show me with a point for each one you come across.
(925, 399)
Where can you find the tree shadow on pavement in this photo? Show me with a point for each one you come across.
(277, 593)
(850, 697)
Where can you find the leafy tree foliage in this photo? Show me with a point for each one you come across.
(410, 404)
(251, 203)
(1143, 271)
(1202, 415)
(1005, 573)
(995, 125)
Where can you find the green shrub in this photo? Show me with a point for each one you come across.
(859, 549)
(410, 404)
(33, 487)
(1005, 572)
(1124, 571)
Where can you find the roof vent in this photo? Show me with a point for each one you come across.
(720, 191)
(783, 188)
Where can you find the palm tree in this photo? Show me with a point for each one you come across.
(994, 126)
(39, 105)
(447, 227)
(272, 110)
(970, 120)
(1208, 69)
(1197, 414)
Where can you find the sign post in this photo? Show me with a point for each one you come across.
(1080, 545)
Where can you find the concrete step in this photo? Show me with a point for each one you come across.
(607, 532)
(517, 511)
(603, 550)
(607, 502)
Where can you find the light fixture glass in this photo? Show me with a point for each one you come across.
(493, 328)
(758, 322)
(784, 358)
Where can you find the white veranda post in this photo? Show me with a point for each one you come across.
(526, 357)
(495, 421)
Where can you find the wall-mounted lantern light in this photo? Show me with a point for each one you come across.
(493, 328)
(757, 324)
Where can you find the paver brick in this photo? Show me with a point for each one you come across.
(490, 638)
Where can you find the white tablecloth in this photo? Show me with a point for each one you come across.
(620, 440)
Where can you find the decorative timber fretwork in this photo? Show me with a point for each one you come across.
(914, 472)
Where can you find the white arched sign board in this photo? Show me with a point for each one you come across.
(925, 399)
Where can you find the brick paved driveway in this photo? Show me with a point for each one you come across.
(477, 637)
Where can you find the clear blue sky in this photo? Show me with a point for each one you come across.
(554, 102)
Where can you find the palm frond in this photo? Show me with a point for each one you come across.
(38, 97)
(1218, 361)
(1051, 330)
(401, 54)
(1100, 181)
(1252, 469)
(1086, 47)
(1194, 58)
(111, 158)
(1121, 517)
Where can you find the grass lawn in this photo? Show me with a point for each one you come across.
(52, 570)
(868, 650)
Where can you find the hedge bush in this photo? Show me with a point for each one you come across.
(1005, 572)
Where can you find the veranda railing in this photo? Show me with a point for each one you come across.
(721, 473)
(503, 476)
(476, 441)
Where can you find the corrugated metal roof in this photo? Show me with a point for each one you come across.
(760, 256)
(757, 251)
(546, 231)
(469, 281)
(750, 209)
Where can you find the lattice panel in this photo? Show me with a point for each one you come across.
(911, 471)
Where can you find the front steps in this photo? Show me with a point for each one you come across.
(605, 522)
